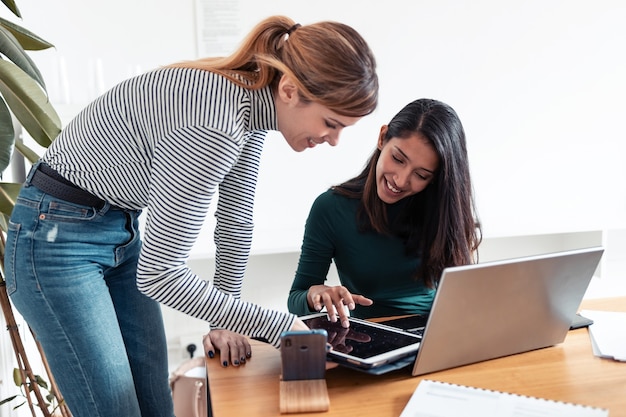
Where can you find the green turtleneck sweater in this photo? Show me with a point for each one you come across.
(369, 263)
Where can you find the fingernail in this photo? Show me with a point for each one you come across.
(211, 353)
(235, 362)
(243, 359)
(345, 323)
(248, 354)
(225, 363)
(351, 306)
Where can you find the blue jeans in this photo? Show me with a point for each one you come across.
(70, 272)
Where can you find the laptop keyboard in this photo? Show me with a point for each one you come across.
(419, 331)
(413, 324)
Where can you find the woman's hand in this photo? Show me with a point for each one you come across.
(233, 347)
(334, 299)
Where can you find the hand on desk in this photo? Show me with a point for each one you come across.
(232, 347)
(334, 299)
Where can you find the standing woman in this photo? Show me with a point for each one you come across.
(166, 141)
(392, 229)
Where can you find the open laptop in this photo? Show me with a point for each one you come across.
(493, 309)
(480, 311)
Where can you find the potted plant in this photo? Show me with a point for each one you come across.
(23, 103)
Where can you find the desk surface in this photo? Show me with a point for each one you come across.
(567, 372)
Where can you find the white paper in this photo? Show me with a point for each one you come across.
(218, 29)
(440, 399)
(607, 333)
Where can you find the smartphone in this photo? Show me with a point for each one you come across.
(303, 354)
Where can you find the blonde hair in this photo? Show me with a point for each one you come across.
(330, 63)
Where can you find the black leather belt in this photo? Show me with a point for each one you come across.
(51, 182)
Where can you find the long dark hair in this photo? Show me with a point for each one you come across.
(438, 224)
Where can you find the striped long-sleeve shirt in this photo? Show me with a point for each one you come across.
(166, 141)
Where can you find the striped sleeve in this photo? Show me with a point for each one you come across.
(234, 226)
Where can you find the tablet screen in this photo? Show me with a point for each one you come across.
(362, 339)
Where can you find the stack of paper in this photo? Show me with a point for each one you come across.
(440, 399)
(608, 333)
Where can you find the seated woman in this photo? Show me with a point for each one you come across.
(392, 229)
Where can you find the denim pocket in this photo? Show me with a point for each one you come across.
(9, 257)
(64, 211)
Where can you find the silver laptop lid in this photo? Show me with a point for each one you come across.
(494, 309)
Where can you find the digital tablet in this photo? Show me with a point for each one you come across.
(364, 344)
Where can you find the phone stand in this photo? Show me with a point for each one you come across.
(303, 396)
(303, 370)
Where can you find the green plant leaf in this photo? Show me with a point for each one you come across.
(27, 152)
(7, 136)
(12, 6)
(11, 48)
(29, 104)
(9, 399)
(25, 37)
(8, 195)
(17, 377)
(41, 382)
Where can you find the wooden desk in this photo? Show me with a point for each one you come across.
(566, 372)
